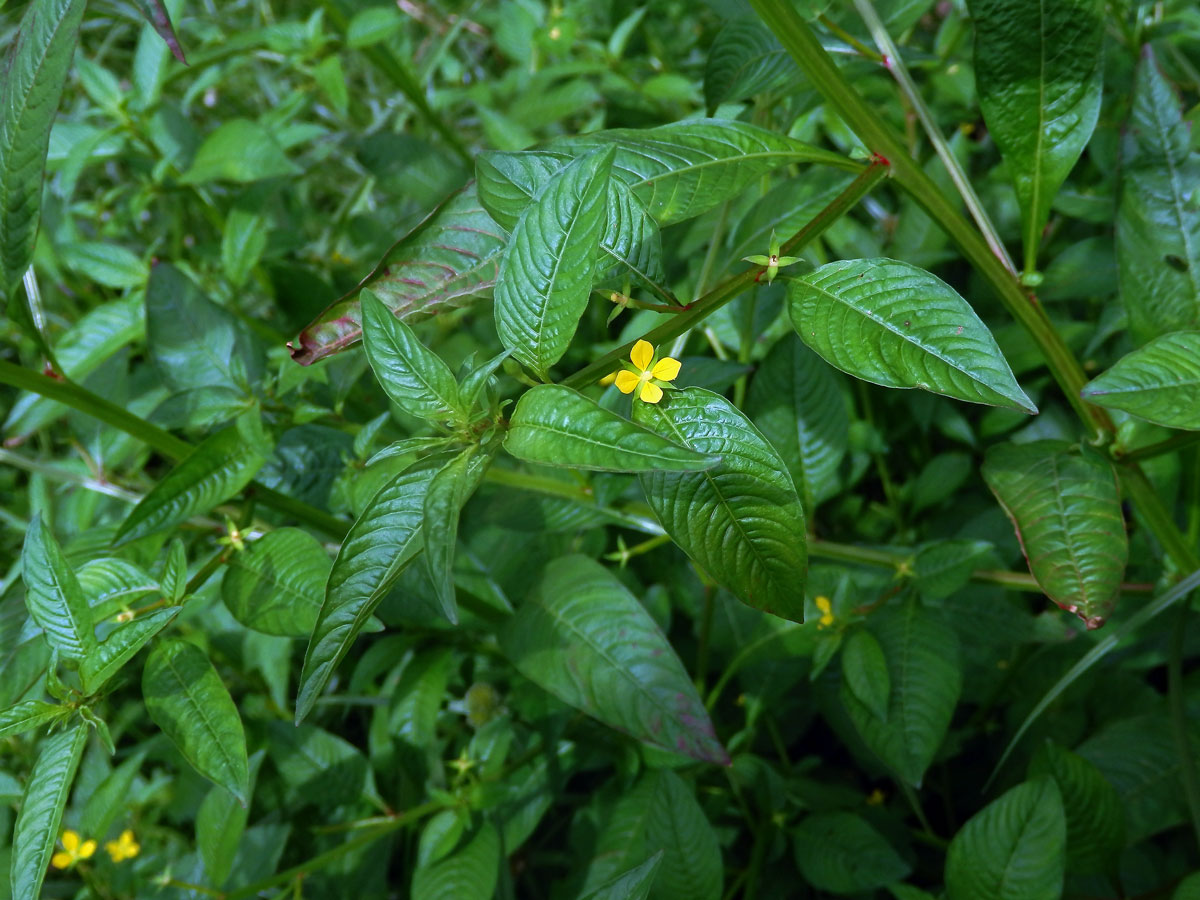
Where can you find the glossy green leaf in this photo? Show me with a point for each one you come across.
(474, 382)
(547, 268)
(745, 60)
(922, 653)
(121, 646)
(111, 584)
(893, 324)
(1158, 222)
(841, 853)
(1092, 806)
(632, 885)
(470, 872)
(797, 402)
(446, 262)
(1039, 76)
(35, 69)
(276, 585)
(243, 242)
(740, 521)
(448, 491)
(865, 672)
(556, 426)
(380, 544)
(660, 812)
(242, 151)
(584, 638)
(1159, 382)
(28, 715)
(1066, 509)
(220, 466)
(53, 595)
(186, 699)
(42, 807)
(1014, 849)
(413, 376)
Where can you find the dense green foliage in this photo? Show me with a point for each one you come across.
(598, 449)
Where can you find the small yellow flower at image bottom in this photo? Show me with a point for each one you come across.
(826, 609)
(649, 375)
(124, 847)
(73, 850)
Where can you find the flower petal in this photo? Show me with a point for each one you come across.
(626, 381)
(70, 841)
(651, 392)
(642, 355)
(88, 848)
(608, 379)
(666, 369)
(61, 860)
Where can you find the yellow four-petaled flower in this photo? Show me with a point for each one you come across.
(124, 847)
(649, 375)
(826, 609)
(73, 850)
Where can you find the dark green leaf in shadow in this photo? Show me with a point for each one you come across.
(276, 585)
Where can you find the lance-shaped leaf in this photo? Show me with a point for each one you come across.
(746, 59)
(220, 466)
(741, 520)
(1159, 382)
(1014, 849)
(634, 884)
(1158, 221)
(28, 715)
(1066, 509)
(380, 544)
(1095, 816)
(448, 491)
(156, 14)
(840, 853)
(411, 374)
(186, 699)
(547, 268)
(42, 807)
(53, 595)
(468, 872)
(556, 426)
(121, 646)
(446, 262)
(276, 585)
(1039, 76)
(584, 638)
(893, 324)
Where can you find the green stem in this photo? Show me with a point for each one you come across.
(1177, 703)
(1170, 445)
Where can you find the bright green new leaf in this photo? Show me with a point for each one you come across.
(473, 383)
(28, 715)
(240, 151)
(42, 807)
(1039, 76)
(1066, 509)
(1158, 221)
(865, 672)
(841, 853)
(1159, 382)
(220, 466)
(1014, 849)
(121, 646)
(584, 638)
(741, 520)
(470, 872)
(411, 374)
(556, 426)
(53, 595)
(186, 699)
(632, 885)
(546, 271)
(745, 60)
(893, 324)
(449, 490)
(1095, 816)
(276, 585)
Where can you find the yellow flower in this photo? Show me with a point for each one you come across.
(124, 847)
(648, 373)
(826, 609)
(73, 850)
(876, 798)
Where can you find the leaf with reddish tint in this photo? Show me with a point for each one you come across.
(446, 262)
(160, 20)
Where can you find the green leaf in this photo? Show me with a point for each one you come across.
(922, 654)
(745, 60)
(107, 800)
(584, 638)
(321, 768)
(414, 377)
(893, 324)
(42, 807)
(1158, 222)
(943, 567)
(241, 151)
(444, 263)
(380, 544)
(1066, 509)
(632, 885)
(865, 672)
(217, 469)
(1014, 849)
(243, 241)
(276, 585)
(1039, 77)
(186, 699)
(797, 402)
(1159, 382)
(556, 426)
(53, 595)
(449, 490)
(156, 14)
(28, 715)
(220, 824)
(740, 521)
(35, 70)
(546, 270)
(1094, 814)
(477, 379)
(841, 853)
(121, 646)
(111, 585)
(660, 813)
(469, 873)
(109, 264)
